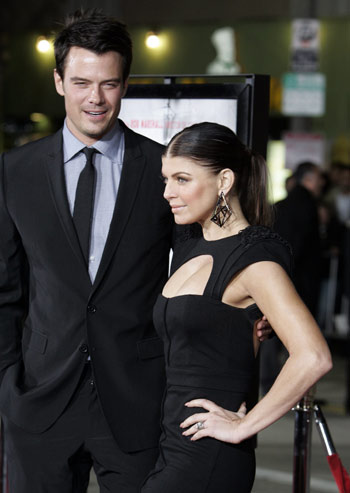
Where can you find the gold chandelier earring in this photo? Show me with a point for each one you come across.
(222, 211)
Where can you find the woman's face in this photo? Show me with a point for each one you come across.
(191, 190)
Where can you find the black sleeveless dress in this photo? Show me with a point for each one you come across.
(209, 354)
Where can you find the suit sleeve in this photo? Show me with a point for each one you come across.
(296, 223)
(13, 283)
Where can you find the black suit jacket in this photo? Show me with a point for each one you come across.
(297, 222)
(50, 313)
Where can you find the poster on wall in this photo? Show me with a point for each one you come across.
(161, 119)
(303, 94)
(160, 110)
(303, 146)
(305, 45)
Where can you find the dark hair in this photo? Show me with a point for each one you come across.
(304, 169)
(94, 31)
(217, 147)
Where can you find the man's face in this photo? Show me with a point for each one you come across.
(92, 87)
(314, 182)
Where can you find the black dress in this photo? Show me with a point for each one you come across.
(209, 354)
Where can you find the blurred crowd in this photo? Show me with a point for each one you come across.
(334, 229)
(315, 219)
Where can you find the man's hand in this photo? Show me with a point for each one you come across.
(263, 329)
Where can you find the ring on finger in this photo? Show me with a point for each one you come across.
(200, 425)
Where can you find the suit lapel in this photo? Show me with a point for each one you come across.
(55, 171)
(132, 171)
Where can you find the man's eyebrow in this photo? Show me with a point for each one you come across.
(113, 79)
(76, 78)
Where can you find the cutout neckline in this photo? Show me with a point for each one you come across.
(214, 300)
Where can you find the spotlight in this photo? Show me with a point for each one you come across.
(152, 40)
(43, 45)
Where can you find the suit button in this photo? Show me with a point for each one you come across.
(91, 308)
(84, 348)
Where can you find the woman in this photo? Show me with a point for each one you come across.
(206, 316)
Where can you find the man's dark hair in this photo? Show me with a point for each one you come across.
(94, 31)
(303, 169)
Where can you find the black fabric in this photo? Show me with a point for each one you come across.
(51, 313)
(59, 460)
(84, 202)
(209, 354)
(297, 222)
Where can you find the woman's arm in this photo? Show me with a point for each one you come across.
(309, 358)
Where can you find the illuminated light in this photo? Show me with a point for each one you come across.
(37, 117)
(152, 41)
(276, 159)
(43, 45)
(41, 121)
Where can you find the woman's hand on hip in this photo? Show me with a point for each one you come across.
(216, 422)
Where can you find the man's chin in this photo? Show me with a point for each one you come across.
(96, 133)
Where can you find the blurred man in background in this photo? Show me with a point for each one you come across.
(297, 221)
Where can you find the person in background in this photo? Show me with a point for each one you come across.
(342, 197)
(289, 183)
(338, 201)
(297, 221)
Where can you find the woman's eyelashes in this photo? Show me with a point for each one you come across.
(181, 179)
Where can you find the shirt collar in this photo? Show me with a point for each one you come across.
(108, 145)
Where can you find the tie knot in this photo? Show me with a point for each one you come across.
(89, 152)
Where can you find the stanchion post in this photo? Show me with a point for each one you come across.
(323, 430)
(302, 443)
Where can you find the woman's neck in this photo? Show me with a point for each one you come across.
(234, 224)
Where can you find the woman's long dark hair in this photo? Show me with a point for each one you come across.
(217, 147)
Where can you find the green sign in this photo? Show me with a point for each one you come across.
(304, 94)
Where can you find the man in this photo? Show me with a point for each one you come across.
(87, 328)
(81, 365)
(297, 222)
